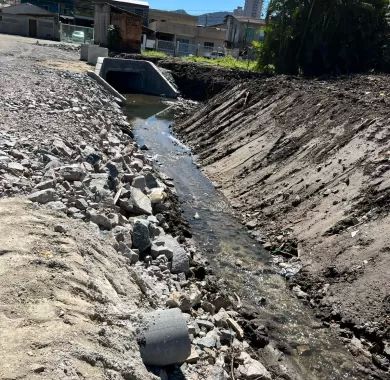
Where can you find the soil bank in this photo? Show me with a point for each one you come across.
(306, 165)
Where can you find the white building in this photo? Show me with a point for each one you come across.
(253, 8)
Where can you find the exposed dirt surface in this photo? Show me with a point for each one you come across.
(307, 165)
(69, 311)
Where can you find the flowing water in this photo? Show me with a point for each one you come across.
(314, 353)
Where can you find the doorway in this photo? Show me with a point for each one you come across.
(32, 28)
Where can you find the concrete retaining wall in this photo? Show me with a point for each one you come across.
(94, 52)
(135, 76)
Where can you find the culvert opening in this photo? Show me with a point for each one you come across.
(126, 82)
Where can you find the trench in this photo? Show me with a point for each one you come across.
(299, 343)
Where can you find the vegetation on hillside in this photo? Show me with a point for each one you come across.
(228, 62)
(326, 36)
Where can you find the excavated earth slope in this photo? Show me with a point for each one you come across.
(70, 310)
(307, 164)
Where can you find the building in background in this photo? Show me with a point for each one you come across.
(242, 31)
(30, 21)
(239, 11)
(81, 12)
(180, 34)
(128, 25)
(253, 8)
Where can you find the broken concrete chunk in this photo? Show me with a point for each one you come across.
(43, 196)
(157, 195)
(141, 203)
(236, 327)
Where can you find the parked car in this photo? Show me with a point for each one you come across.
(78, 36)
(214, 54)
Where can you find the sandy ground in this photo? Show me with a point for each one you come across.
(69, 312)
(66, 59)
(306, 164)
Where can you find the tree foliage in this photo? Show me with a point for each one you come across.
(326, 36)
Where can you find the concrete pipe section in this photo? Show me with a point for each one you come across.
(164, 338)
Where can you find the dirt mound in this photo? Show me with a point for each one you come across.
(69, 311)
(307, 163)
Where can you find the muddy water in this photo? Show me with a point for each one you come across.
(311, 352)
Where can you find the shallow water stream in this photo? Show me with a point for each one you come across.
(313, 352)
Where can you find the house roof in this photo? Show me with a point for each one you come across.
(135, 2)
(26, 9)
(250, 20)
(123, 10)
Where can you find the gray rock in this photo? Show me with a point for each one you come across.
(157, 251)
(60, 228)
(227, 336)
(253, 369)
(100, 219)
(155, 231)
(72, 173)
(151, 181)
(128, 252)
(141, 237)
(16, 168)
(180, 262)
(205, 323)
(51, 183)
(81, 204)
(43, 196)
(180, 259)
(139, 182)
(209, 341)
(57, 206)
(61, 149)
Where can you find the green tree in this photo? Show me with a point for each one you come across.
(326, 36)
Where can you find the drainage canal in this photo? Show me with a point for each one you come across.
(310, 351)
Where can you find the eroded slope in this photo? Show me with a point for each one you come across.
(307, 165)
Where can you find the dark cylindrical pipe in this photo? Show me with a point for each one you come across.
(164, 338)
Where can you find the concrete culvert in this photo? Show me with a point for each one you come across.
(164, 339)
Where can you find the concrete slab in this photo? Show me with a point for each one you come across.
(84, 52)
(94, 52)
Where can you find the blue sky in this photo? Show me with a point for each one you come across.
(196, 6)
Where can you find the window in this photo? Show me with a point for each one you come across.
(209, 45)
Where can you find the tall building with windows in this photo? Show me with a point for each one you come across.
(253, 8)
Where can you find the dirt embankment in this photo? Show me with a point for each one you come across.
(198, 82)
(307, 164)
(70, 310)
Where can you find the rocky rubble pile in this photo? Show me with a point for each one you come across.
(66, 145)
